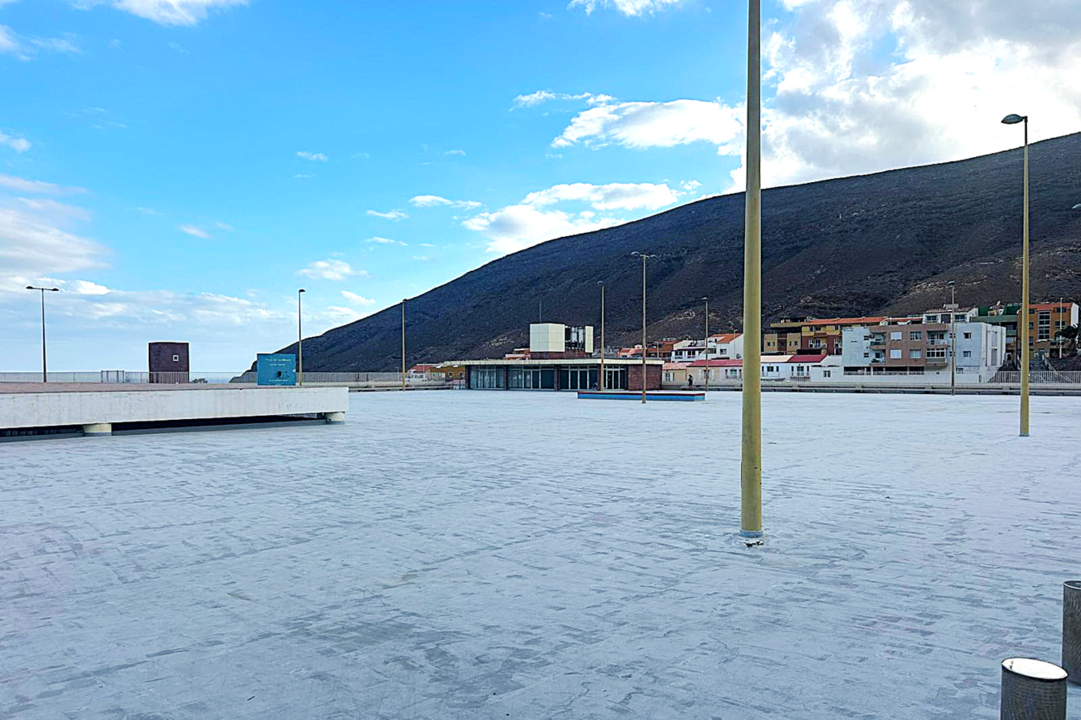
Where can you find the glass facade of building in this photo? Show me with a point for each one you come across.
(583, 377)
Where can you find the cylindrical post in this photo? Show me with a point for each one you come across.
(44, 368)
(707, 344)
(1071, 630)
(751, 466)
(600, 381)
(1032, 690)
(643, 328)
(1023, 320)
(403, 343)
(300, 339)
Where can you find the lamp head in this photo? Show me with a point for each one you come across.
(950, 283)
(54, 289)
(1013, 119)
(301, 290)
(1077, 206)
(31, 287)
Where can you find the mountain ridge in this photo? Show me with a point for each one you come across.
(883, 242)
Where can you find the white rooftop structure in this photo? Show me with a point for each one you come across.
(548, 558)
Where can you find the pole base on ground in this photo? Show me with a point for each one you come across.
(1032, 690)
(1071, 630)
(335, 418)
(750, 533)
(97, 430)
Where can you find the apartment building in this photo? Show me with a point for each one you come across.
(1045, 320)
(726, 346)
(811, 336)
(918, 348)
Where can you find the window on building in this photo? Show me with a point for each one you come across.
(825, 373)
(967, 336)
(915, 354)
(176, 358)
(866, 355)
(967, 353)
(895, 335)
(932, 318)
(895, 354)
(916, 335)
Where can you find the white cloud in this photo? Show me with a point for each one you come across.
(455, 152)
(654, 124)
(357, 299)
(421, 257)
(303, 176)
(543, 96)
(384, 241)
(331, 270)
(148, 211)
(614, 196)
(37, 186)
(26, 48)
(427, 245)
(17, 144)
(223, 226)
(194, 231)
(314, 157)
(517, 227)
(34, 244)
(627, 7)
(535, 219)
(390, 215)
(167, 12)
(60, 212)
(436, 201)
(842, 108)
(688, 186)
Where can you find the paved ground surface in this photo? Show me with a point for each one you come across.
(494, 555)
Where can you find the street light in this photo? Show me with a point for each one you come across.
(953, 337)
(300, 340)
(706, 301)
(751, 451)
(644, 257)
(403, 343)
(1023, 322)
(600, 384)
(44, 371)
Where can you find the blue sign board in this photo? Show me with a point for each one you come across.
(273, 369)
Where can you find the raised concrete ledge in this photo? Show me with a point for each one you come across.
(97, 410)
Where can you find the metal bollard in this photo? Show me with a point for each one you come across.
(1032, 690)
(1071, 630)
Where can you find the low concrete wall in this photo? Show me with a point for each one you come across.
(90, 407)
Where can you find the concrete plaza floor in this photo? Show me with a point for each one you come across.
(529, 555)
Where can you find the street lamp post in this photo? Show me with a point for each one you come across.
(600, 383)
(953, 337)
(644, 257)
(1022, 323)
(706, 301)
(403, 343)
(751, 451)
(300, 340)
(44, 368)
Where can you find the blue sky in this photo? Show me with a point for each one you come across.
(180, 168)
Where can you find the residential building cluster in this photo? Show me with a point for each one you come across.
(910, 349)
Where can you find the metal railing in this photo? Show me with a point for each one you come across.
(1038, 376)
(130, 377)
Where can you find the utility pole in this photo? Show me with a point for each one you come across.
(953, 337)
(300, 340)
(643, 256)
(1022, 321)
(600, 383)
(706, 301)
(751, 451)
(44, 367)
(403, 343)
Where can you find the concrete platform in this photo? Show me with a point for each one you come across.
(525, 556)
(98, 408)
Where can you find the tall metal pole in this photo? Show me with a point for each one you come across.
(707, 343)
(600, 384)
(44, 367)
(1024, 304)
(300, 340)
(403, 343)
(751, 466)
(43, 290)
(643, 329)
(953, 338)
